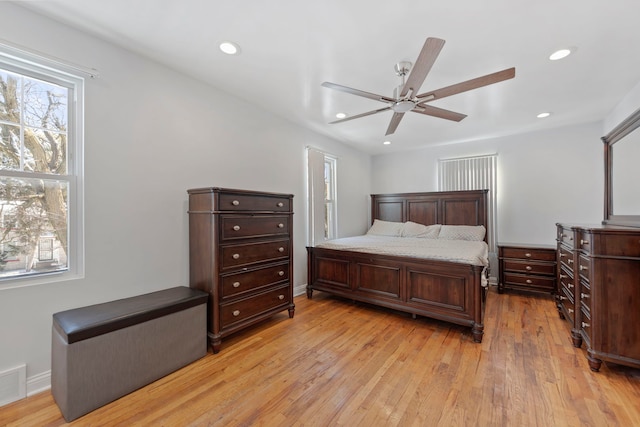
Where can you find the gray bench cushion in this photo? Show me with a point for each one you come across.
(86, 322)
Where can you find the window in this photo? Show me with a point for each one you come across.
(473, 173)
(329, 197)
(322, 206)
(40, 172)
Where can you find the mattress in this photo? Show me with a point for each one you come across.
(459, 251)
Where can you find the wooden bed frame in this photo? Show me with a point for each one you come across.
(442, 290)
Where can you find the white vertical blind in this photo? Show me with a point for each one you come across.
(315, 195)
(473, 173)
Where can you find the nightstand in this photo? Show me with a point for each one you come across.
(527, 267)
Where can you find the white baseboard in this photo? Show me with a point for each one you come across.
(39, 383)
(299, 289)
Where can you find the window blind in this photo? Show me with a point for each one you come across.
(473, 173)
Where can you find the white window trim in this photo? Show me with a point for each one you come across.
(54, 71)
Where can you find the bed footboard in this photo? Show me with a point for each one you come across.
(441, 290)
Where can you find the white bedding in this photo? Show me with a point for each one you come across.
(460, 251)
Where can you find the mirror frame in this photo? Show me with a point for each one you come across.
(627, 126)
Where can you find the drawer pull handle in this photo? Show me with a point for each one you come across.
(236, 227)
(529, 281)
(235, 203)
(562, 298)
(585, 325)
(236, 313)
(281, 249)
(583, 295)
(570, 261)
(236, 256)
(584, 242)
(280, 273)
(563, 276)
(528, 255)
(528, 267)
(280, 204)
(281, 225)
(569, 285)
(570, 310)
(561, 255)
(280, 297)
(236, 284)
(582, 267)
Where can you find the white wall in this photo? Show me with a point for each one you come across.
(543, 178)
(151, 134)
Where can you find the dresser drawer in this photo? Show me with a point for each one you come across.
(528, 281)
(567, 304)
(584, 267)
(240, 226)
(236, 284)
(566, 280)
(566, 257)
(262, 203)
(234, 256)
(525, 253)
(531, 267)
(566, 236)
(237, 311)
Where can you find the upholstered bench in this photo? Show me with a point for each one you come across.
(104, 351)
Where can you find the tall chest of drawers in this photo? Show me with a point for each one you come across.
(599, 291)
(241, 252)
(527, 267)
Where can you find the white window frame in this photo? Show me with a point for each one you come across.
(53, 71)
(317, 205)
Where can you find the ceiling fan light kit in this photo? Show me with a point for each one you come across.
(406, 98)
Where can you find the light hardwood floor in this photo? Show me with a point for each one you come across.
(339, 363)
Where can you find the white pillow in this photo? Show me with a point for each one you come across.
(462, 232)
(385, 228)
(413, 229)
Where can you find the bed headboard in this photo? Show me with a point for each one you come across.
(439, 207)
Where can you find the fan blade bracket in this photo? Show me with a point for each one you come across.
(425, 98)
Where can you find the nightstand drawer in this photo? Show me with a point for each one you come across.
(546, 269)
(530, 282)
(525, 253)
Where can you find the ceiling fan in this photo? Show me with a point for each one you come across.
(406, 97)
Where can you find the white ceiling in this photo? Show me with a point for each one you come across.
(289, 47)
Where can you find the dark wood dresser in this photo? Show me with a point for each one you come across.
(240, 252)
(599, 290)
(527, 267)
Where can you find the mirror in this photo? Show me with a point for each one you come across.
(622, 174)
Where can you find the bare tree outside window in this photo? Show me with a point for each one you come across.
(33, 169)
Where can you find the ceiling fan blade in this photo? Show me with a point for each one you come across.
(358, 92)
(393, 124)
(430, 110)
(427, 57)
(361, 115)
(478, 82)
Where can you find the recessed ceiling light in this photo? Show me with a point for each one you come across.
(341, 115)
(230, 48)
(543, 115)
(559, 54)
(387, 143)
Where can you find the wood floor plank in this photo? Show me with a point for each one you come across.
(341, 363)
